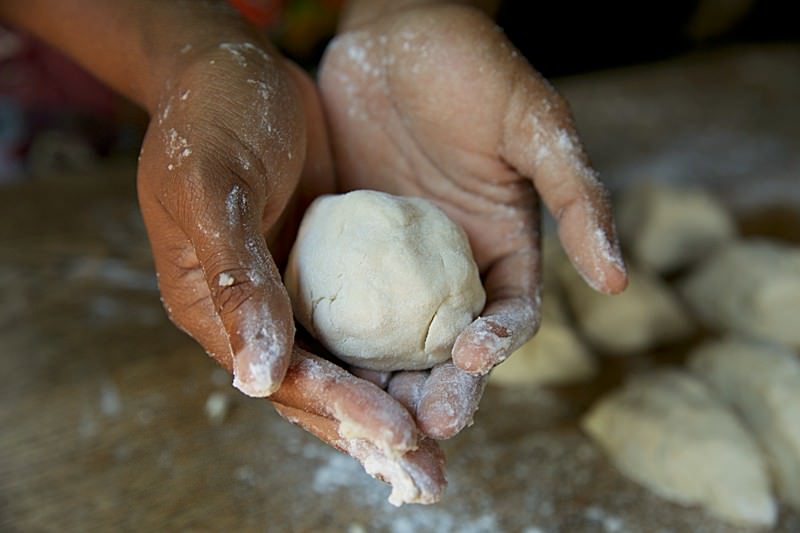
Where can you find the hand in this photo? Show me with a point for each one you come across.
(435, 102)
(235, 151)
(218, 175)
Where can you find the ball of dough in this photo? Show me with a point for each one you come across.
(384, 282)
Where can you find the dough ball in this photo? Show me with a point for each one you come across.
(667, 431)
(761, 381)
(645, 315)
(384, 282)
(750, 287)
(666, 227)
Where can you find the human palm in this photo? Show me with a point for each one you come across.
(435, 102)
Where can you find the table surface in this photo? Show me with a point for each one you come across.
(103, 422)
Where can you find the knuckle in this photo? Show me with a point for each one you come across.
(230, 290)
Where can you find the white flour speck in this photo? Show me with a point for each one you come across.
(110, 402)
(177, 147)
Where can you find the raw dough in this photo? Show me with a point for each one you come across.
(762, 381)
(667, 431)
(384, 282)
(666, 227)
(646, 314)
(751, 287)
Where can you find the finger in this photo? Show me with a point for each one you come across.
(219, 272)
(358, 408)
(540, 142)
(378, 378)
(415, 477)
(511, 316)
(406, 388)
(448, 401)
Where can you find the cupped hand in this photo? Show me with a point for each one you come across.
(218, 174)
(234, 153)
(435, 102)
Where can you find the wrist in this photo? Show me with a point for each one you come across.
(180, 38)
(135, 46)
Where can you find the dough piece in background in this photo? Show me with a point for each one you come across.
(666, 227)
(645, 315)
(761, 380)
(384, 282)
(750, 287)
(554, 356)
(667, 431)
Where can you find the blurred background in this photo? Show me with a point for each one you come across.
(52, 114)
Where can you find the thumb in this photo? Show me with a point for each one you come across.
(220, 284)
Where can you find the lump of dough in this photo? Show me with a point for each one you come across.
(666, 227)
(667, 431)
(645, 315)
(762, 381)
(750, 287)
(384, 282)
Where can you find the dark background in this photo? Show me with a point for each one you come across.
(564, 37)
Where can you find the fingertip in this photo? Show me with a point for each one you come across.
(259, 367)
(589, 238)
(441, 428)
(360, 409)
(616, 279)
(416, 477)
(449, 401)
(481, 346)
(392, 439)
(406, 387)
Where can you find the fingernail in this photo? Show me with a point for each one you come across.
(258, 368)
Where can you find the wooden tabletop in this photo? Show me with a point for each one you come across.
(112, 420)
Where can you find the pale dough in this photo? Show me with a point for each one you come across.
(667, 227)
(750, 287)
(384, 282)
(762, 381)
(645, 315)
(667, 431)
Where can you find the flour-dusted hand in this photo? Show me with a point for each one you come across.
(358, 418)
(220, 164)
(436, 97)
(235, 150)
